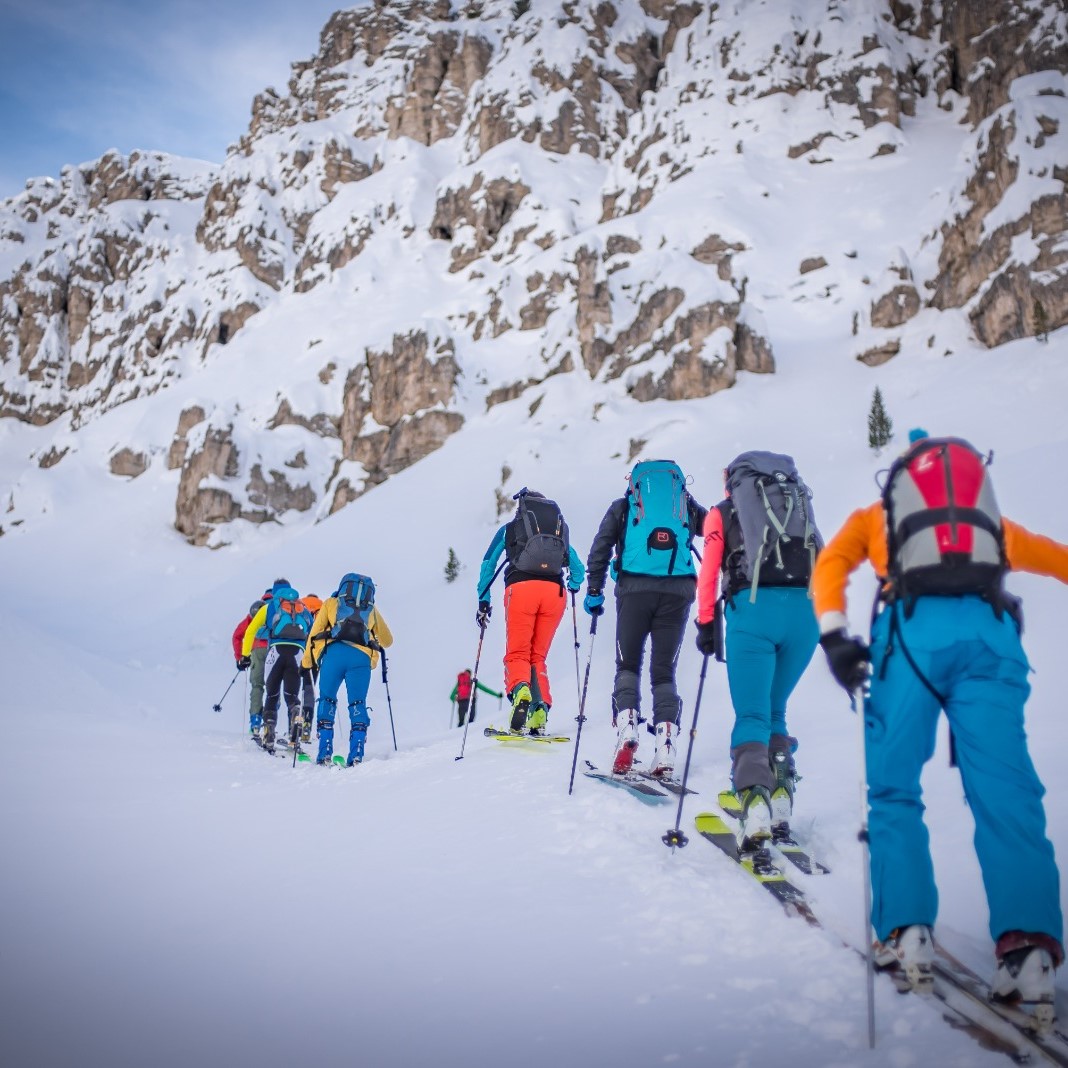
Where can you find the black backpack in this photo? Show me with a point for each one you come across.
(536, 540)
(768, 524)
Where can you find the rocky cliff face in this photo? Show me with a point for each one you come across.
(510, 195)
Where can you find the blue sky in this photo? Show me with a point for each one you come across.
(78, 77)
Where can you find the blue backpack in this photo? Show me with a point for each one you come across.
(355, 601)
(288, 620)
(656, 533)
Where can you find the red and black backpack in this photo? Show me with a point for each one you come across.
(944, 534)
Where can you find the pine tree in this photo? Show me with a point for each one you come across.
(452, 567)
(880, 425)
(1041, 320)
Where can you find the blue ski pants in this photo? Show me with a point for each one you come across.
(344, 663)
(769, 644)
(976, 663)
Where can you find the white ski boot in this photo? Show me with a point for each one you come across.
(626, 741)
(909, 954)
(664, 761)
(1025, 977)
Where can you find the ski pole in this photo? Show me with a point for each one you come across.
(574, 623)
(452, 713)
(389, 702)
(582, 704)
(856, 699)
(674, 836)
(474, 686)
(218, 706)
(244, 707)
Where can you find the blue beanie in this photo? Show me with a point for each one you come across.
(917, 434)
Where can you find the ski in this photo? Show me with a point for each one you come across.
(783, 840)
(634, 784)
(781, 837)
(1050, 1039)
(522, 736)
(964, 1011)
(673, 786)
(759, 864)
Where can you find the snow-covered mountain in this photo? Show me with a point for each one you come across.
(171, 897)
(453, 203)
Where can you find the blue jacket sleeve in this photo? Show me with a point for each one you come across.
(576, 573)
(489, 564)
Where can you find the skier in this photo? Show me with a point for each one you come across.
(947, 636)
(537, 550)
(287, 623)
(344, 646)
(763, 538)
(645, 536)
(307, 677)
(464, 698)
(253, 663)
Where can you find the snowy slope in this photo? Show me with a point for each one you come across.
(171, 897)
(180, 898)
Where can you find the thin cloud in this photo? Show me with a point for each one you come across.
(179, 77)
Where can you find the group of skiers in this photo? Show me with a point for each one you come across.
(945, 635)
(287, 641)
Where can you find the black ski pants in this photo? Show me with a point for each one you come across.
(282, 671)
(462, 706)
(660, 617)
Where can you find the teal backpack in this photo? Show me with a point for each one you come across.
(656, 534)
(355, 601)
(288, 620)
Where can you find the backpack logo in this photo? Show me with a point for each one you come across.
(771, 533)
(656, 532)
(355, 601)
(536, 540)
(944, 532)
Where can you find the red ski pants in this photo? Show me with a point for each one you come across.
(533, 611)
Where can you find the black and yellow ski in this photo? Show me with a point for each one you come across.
(758, 863)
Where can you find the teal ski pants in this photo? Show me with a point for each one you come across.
(976, 663)
(769, 644)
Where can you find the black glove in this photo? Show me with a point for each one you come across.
(243, 663)
(706, 638)
(848, 658)
(483, 614)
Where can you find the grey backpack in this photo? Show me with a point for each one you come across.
(769, 526)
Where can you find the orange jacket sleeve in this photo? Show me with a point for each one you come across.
(862, 537)
(1034, 553)
(711, 561)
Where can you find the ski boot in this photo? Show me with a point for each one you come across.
(268, 736)
(536, 719)
(754, 823)
(626, 741)
(357, 740)
(1024, 975)
(520, 698)
(326, 742)
(908, 954)
(664, 760)
(255, 726)
(782, 796)
(305, 730)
